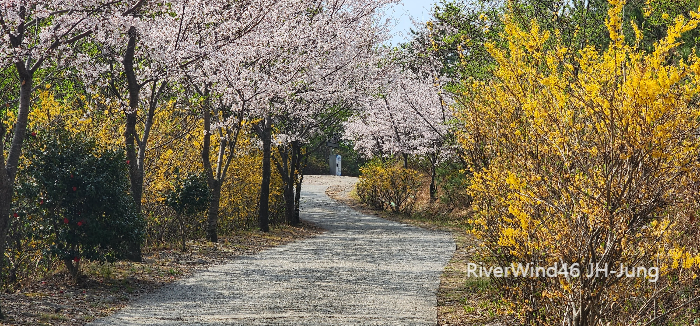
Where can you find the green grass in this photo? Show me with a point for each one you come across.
(479, 285)
(52, 317)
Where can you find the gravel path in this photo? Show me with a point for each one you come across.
(363, 271)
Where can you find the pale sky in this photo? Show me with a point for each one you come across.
(402, 14)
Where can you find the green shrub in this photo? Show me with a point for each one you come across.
(189, 197)
(454, 183)
(76, 196)
(388, 187)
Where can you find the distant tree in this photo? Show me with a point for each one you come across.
(410, 116)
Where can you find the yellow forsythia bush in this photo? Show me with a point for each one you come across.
(26, 248)
(592, 166)
(177, 148)
(388, 187)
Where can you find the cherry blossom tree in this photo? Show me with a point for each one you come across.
(220, 70)
(158, 49)
(282, 57)
(136, 58)
(134, 61)
(409, 115)
(324, 72)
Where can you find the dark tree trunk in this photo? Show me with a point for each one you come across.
(7, 174)
(302, 160)
(216, 177)
(291, 177)
(264, 209)
(289, 170)
(405, 161)
(433, 186)
(293, 169)
(297, 199)
(295, 183)
(284, 168)
(130, 139)
(135, 147)
(289, 202)
(213, 212)
(73, 267)
(212, 182)
(6, 190)
(135, 174)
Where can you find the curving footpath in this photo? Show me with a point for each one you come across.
(363, 271)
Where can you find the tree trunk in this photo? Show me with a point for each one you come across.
(302, 159)
(264, 210)
(130, 139)
(292, 178)
(213, 212)
(297, 199)
(7, 175)
(183, 232)
(284, 168)
(433, 186)
(212, 181)
(6, 190)
(143, 143)
(289, 202)
(135, 174)
(288, 169)
(293, 182)
(73, 267)
(405, 161)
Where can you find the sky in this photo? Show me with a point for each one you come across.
(402, 14)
